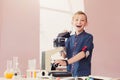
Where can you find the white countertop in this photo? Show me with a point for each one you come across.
(65, 78)
(19, 79)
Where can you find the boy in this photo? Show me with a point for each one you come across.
(78, 48)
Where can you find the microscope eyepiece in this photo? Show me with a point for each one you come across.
(60, 40)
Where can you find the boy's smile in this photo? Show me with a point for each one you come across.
(79, 26)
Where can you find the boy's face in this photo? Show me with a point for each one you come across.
(79, 22)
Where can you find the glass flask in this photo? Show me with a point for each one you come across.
(16, 69)
(8, 74)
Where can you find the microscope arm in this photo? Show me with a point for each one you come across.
(46, 58)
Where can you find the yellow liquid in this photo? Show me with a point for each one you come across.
(34, 74)
(8, 75)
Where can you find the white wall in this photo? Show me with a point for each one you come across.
(55, 17)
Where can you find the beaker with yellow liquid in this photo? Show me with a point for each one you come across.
(8, 74)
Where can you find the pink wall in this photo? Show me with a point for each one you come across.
(19, 32)
(0, 12)
(104, 24)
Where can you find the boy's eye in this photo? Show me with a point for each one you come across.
(76, 19)
(79, 20)
(82, 20)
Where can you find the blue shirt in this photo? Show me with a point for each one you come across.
(76, 44)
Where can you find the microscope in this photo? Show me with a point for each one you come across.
(46, 65)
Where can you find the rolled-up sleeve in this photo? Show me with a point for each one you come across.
(88, 44)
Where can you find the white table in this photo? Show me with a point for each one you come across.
(65, 78)
(19, 79)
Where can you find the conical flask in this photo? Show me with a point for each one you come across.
(9, 71)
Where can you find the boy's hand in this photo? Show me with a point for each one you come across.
(61, 62)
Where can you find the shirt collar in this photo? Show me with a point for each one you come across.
(80, 33)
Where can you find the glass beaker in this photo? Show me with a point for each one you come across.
(9, 71)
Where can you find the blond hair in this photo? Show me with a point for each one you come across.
(79, 13)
